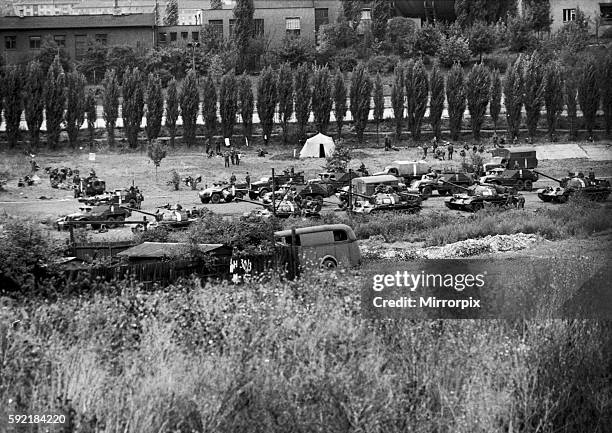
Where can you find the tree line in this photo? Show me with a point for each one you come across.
(532, 84)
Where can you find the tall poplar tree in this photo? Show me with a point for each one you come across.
(397, 99)
(246, 106)
(228, 104)
(76, 100)
(133, 104)
(322, 101)
(209, 107)
(33, 100)
(155, 106)
(456, 97)
(360, 93)
(55, 101)
(110, 103)
(379, 104)
(285, 97)
(340, 106)
(172, 109)
(303, 96)
(478, 88)
(436, 104)
(266, 101)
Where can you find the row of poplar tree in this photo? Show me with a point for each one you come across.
(530, 84)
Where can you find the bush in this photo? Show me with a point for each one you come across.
(427, 40)
(382, 64)
(481, 39)
(607, 33)
(400, 34)
(520, 36)
(454, 49)
(345, 60)
(499, 63)
(295, 51)
(175, 180)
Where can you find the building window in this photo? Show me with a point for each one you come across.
(162, 37)
(232, 25)
(184, 35)
(34, 42)
(101, 38)
(172, 36)
(569, 15)
(60, 40)
(35, 10)
(258, 27)
(10, 42)
(293, 26)
(366, 14)
(80, 46)
(606, 12)
(195, 36)
(216, 27)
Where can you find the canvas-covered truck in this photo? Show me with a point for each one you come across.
(512, 159)
(406, 170)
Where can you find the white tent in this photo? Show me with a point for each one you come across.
(319, 146)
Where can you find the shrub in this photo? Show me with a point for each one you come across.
(336, 36)
(455, 95)
(574, 36)
(175, 180)
(209, 106)
(189, 101)
(533, 83)
(553, 95)
(454, 49)
(607, 33)
(339, 160)
(155, 106)
(133, 104)
(172, 109)
(110, 103)
(520, 36)
(156, 152)
(75, 105)
(382, 64)
(436, 104)
(294, 50)
(397, 99)
(400, 33)
(588, 93)
(481, 39)
(361, 90)
(285, 97)
(33, 100)
(266, 101)
(13, 103)
(340, 107)
(478, 87)
(427, 40)
(228, 104)
(303, 96)
(513, 93)
(55, 100)
(345, 60)
(321, 98)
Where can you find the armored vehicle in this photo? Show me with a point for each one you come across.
(131, 197)
(264, 185)
(476, 197)
(221, 193)
(388, 201)
(431, 182)
(576, 184)
(521, 179)
(170, 217)
(106, 212)
(327, 185)
(89, 187)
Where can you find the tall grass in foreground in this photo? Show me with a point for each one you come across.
(294, 356)
(576, 218)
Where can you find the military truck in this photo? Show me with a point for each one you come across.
(263, 186)
(406, 170)
(513, 159)
(521, 179)
(327, 185)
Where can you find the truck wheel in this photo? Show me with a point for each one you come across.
(111, 223)
(519, 185)
(205, 200)
(229, 198)
(120, 219)
(528, 185)
(329, 264)
(443, 191)
(427, 191)
(263, 192)
(239, 194)
(215, 198)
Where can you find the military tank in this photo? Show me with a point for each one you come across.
(576, 184)
(385, 202)
(476, 197)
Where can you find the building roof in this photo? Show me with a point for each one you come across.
(45, 2)
(314, 229)
(154, 250)
(76, 21)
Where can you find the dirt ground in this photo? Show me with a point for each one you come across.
(120, 169)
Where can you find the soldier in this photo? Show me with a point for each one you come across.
(218, 147)
(226, 158)
(474, 149)
(481, 149)
(247, 179)
(450, 151)
(434, 145)
(591, 174)
(517, 166)
(208, 147)
(387, 143)
(425, 150)
(238, 157)
(462, 153)
(495, 140)
(233, 156)
(233, 179)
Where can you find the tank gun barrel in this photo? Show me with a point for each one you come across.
(131, 209)
(546, 176)
(454, 185)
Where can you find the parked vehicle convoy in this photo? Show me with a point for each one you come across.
(326, 246)
(440, 182)
(512, 158)
(112, 213)
(131, 197)
(406, 170)
(521, 179)
(476, 197)
(576, 184)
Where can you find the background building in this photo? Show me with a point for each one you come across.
(21, 38)
(564, 11)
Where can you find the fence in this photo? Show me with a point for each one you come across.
(88, 251)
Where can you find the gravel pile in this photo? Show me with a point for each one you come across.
(471, 247)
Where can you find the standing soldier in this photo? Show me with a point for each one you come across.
(233, 179)
(247, 179)
(208, 146)
(434, 145)
(238, 158)
(387, 143)
(226, 157)
(425, 147)
(450, 151)
(233, 156)
(218, 147)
